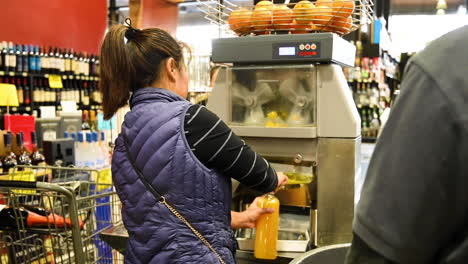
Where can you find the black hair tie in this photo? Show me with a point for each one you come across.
(131, 31)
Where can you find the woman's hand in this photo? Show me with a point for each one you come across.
(282, 180)
(248, 218)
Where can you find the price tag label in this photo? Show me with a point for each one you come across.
(11, 73)
(2, 73)
(64, 77)
(24, 74)
(55, 81)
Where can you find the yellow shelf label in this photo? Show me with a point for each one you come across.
(15, 175)
(2, 73)
(104, 179)
(55, 81)
(24, 74)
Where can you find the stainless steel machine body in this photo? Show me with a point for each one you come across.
(287, 97)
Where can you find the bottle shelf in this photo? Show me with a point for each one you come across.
(46, 75)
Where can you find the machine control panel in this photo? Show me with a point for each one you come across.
(296, 50)
(281, 49)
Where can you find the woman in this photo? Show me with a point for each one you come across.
(173, 161)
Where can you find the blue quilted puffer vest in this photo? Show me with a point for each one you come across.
(154, 129)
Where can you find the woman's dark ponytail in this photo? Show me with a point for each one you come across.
(132, 59)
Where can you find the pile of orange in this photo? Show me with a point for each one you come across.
(305, 17)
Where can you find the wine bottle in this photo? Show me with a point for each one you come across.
(26, 92)
(86, 65)
(9, 161)
(85, 93)
(57, 60)
(44, 92)
(50, 92)
(19, 58)
(61, 63)
(4, 56)
(20, 217)
(44, 60)
(64, 93)
(70, 91)
(52, 61)
(73, 62)
(32, 59)
(35, 91)
(12, 53)
(92, 66)
(25, 58)
(82, 64)
(76, 96)
(38, 59)
(37, 159)
(85, 124)
(58, 96)
(38, 92)
(23, 157)
(19, 91)
(97, 66)
(66, 62)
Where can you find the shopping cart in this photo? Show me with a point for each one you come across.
(77, 205)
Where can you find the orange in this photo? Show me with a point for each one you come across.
(297, 28)
(343, 8)
(343, 27)
(304, 12)
(282, 17)
(264, 4)
(322, 15)
(239, 21)
(328, 3)
(261, 20)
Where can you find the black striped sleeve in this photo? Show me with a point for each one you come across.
(218, 147)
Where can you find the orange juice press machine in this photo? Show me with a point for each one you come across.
(287, 97)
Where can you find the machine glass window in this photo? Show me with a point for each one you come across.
(279, 96)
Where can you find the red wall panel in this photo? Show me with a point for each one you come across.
(77, 24)
(161, 14)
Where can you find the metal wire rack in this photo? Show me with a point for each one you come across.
(75, 205)
(338, 16)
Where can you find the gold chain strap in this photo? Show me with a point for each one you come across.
(200, 236)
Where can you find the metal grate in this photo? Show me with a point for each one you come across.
(339, 16)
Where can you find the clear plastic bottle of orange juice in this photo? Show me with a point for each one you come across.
(266, 234)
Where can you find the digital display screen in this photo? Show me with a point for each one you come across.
(287, 51)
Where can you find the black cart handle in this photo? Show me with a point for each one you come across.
(19, 184)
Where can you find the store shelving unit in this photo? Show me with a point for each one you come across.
(33, 105)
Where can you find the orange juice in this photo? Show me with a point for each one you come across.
(266, 235)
